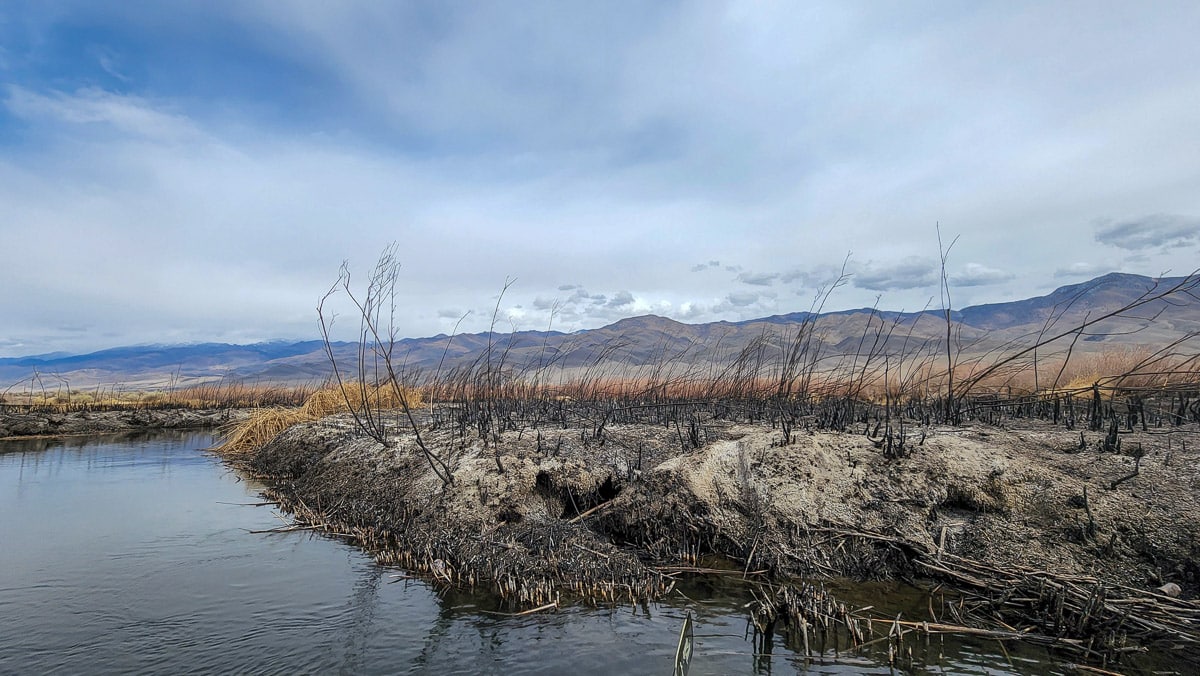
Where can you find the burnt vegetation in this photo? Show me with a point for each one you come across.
(560, 474)
(894, 383)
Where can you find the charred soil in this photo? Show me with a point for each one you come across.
(1014, 515)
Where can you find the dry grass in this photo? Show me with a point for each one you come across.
(1131, 367)
(62, 399)
(255, 431)
(900, 380)
(261, 426)
(1116, 369)
(921, 378)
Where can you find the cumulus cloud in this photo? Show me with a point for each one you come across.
(515, 315)
(742, 299)
(975, 274)
(622, 299)
(758, 278)
(690, 310)
(1147, 232)
(912, 272)
(1080, 269)
(794, 276)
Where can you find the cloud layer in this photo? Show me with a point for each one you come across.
(1151, 231)
(199, 170)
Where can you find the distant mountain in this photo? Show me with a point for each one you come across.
(201, 356)
(1077, 300)
(652, 340)
(163, 364)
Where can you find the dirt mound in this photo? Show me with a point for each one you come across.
(572, 512)
(1040, 531)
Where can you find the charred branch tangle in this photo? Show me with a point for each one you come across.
(1000, 510)
(1052, 512)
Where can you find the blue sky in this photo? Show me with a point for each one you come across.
(194, 171)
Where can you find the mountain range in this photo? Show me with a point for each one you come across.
(650, 339)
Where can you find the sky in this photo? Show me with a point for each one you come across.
(181, 172)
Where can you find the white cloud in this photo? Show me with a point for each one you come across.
(124, 114)
(912, 272)
(1081, 270)
(976, 274)
(622, 300)
(1146, 232)
(608, 148)
(758, 278)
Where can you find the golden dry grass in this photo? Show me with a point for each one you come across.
(1128, 367)
(925, 377)
(324, 402)
(255, 431)
(915, 379)
(205, 396)
(331, 400)
(263, 425)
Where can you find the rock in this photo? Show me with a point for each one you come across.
(1169, 589)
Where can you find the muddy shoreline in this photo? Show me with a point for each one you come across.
(46, 424)
(553, 514)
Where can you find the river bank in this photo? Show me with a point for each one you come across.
(26, 424)
(147, 525)
(542, 515)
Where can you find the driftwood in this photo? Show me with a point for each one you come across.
(531, 611)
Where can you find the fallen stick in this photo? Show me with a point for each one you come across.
(1092, 670)
(282, 529)
(589, 512)
(590, 551)
(708, 571)
(938, 628)
(531, 611)
(321, 528)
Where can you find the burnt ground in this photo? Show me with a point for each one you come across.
(1046, 533)
(1006, 496)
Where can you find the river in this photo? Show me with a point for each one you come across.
(138, 555)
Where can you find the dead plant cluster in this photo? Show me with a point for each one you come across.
(890, 382)
(42, 393)
(505, 442)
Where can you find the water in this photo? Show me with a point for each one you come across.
(136, 556)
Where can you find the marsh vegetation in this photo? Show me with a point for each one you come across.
(1051, 491)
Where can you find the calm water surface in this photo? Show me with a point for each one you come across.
(135, 556)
